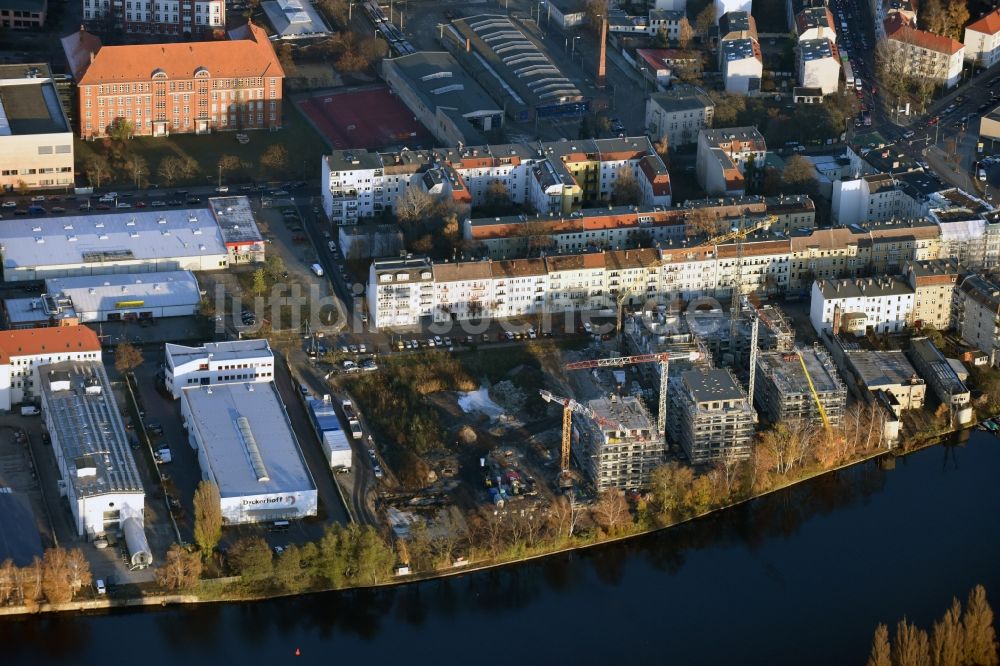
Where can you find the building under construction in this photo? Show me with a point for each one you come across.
(620, 447)
(783, 391)
(710, 416)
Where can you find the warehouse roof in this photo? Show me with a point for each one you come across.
(294, 19)
(440, 82)
(30, 106)
(93, 239)
(233, 350)
(87, 427)
(247, 438)
(91, 293)
(879, 369)
(235, 219)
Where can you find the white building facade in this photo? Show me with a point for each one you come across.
(982, 40)
(882, 305)
(217, 363)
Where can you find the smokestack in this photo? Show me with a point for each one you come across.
(602, 56)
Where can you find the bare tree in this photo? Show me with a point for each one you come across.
(413, 205)
(180, 570)
(8, 582)
(55, 576)
(30, 584)
(625, 191)
(97, 169)
(611, 512)
(685, 33)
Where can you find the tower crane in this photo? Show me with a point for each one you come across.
(760, 316)
(739, 233)
(618, 361)
(569, 406)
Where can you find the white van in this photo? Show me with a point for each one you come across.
(982, 174)
(318, 270)
(30, 410)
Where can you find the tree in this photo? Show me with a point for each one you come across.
(372, 556)
(23, 188)
(275, 158)
(8, 582)
(333, 556)
(180, 570)
(662, 148)
(910, 647)
(55, 576)
(798, 175)
(958, 16)
(259, 282)
(413, 205)
(30, 584)
(229, 164)
(946, 638)
(207, 516)
(625, 191)
(275, 267)
(250, 557)
(286, 60)
(705, 19)
(977, 628)
(288, 573)
(171, 169)
(880, 648)
(122, 130)
(335, 10)
(611, 512)
(127, 358)
(96, 169)
(685, 33)
(496, 195)
(138, 169)
(932, 16)
(595, 12)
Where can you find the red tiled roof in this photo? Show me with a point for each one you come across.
(53, 340)
(898, 29)
(988, 25)
(180, 60)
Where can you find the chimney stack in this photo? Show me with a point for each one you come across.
(601, 78)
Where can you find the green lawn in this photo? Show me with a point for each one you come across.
(303, 144)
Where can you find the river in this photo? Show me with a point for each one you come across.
(799, 577)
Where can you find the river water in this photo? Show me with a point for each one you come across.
(800, 577)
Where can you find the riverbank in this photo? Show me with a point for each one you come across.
(228, 589)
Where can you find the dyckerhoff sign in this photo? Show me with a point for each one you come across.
(287, 500)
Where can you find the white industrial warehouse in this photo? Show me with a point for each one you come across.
(99, 476)
(246, 446)
(217, 363)
(130, 242)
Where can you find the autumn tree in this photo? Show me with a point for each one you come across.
(122, 130)
(705, 19)
(372, 557)
(250, 557)
(127, 358)
(625, 191)
(31, 584)
(685, 33)
(97, 168)
(880, 654)
(259, 282)
(8, 582)
(910, 646)
(946, 637)
(662, 148)
(207, 516)
(180, 570)
(977, 630)
(228, 164)
(275, 157)
(611, 512)
(798, 175)
(274, 265)
(496, 195)
(55, 577)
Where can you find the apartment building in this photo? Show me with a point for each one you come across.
(784, 393)
(214, 363)
(933, 284)
(463, 290)
(819, 65)
(36, 140)
(679, 114)
(710, 416)
(873, 198)
(23, 14)
(23, 351)
(557, 176)
(965, 231)
(159, 17)
(577, 282)
(976, 315)
(882, 305)
(400, 291)
(181, 87)
(663, 66)
(725, 156)
(815, 23)
(740, 59)
(982, 40)
(923, 54)
(520, 287)
(623, 448)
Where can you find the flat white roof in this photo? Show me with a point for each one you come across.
(219, 351)
(92, 293)
(114, 236)
(247, 438)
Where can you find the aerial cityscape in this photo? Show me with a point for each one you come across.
(500, 317)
